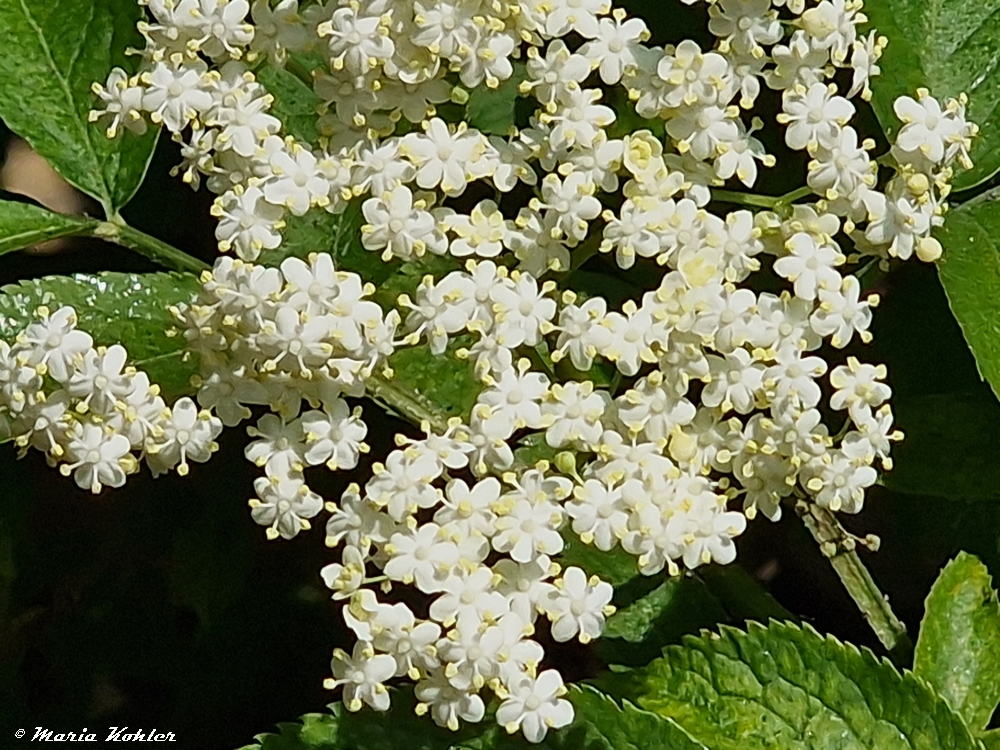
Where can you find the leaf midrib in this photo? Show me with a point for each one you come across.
(105, 198)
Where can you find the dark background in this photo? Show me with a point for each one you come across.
(161, 605)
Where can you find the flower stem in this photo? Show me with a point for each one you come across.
(154, 249)
(760, 201)
(838, 546)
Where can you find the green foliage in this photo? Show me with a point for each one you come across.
(970, 273)
(445, 384)
(949, 47)
(491, 111)
(634, 622)
(115, 308)
(615, 566)
(950, 448)
(788, 687)
(600, 724)
(295, 104)
(958, 651)
(23, 225)
(52, 52)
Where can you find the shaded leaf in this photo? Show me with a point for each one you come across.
(23, 225)
(787, 687)
(950, 47)
(491, 111)
(615, 566)
(634, 622)
(115, 308)
(970, 273)
(53, 52)
(958, 650)
(295, 103)
(951, 448)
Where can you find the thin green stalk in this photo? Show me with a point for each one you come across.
(761, 201)
(838, 546)
(152, 248)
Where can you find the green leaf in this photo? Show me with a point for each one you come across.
(625, 728)
(615, 566)
(950, 47)
(600, 724)
(491, 111)
(634, 622)
(53, 51)
(115, 308)
(337, 234)
(444, 384)
(788, 687)
(958, 651)
(295, 103)
(951, 446)
(23, 225)
(970, 273)
(991, 739)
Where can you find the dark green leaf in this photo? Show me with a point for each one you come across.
(970, 273)
(951, 448)
(295, 104)
(742, 595)
(657, 617)
(115, 308)
(788, 687)
(600, 724)
(634, 622)
(958, 651)
(950, 47)
(491, 111)
(23, 225)
(53, 51)
(616, 566)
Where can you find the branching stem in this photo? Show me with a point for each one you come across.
(144, 244)
(839, 547)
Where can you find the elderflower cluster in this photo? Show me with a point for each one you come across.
(278, 337)
(670, 420)
(92, 415)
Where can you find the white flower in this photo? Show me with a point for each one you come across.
(96, 458)
(398, 224)
(98, 380)
(535, 705)
(284, 506)
(442, 158)
(858, 388)
(814, 115)
(55, 342)
(183, 434)
(123, 104)
(362, 674)
(295, 181)
(176, 95)
(810, 266)
(427, 555)
(842, 312)
(613, 49)
(334, 435)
